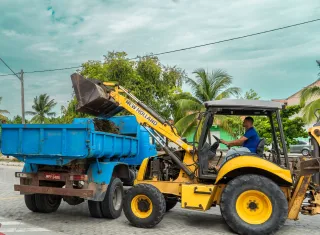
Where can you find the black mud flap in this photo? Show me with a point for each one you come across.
(93, 97)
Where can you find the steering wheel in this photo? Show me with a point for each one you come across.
(218, 140)
(215, 145)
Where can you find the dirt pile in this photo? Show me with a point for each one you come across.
(105, 126)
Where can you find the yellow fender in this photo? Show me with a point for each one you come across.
(254, 162)
(142, 170)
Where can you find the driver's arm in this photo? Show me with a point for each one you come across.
(238, 142)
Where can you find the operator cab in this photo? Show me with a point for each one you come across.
(207, 146)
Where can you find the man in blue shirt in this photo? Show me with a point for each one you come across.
(249, 141)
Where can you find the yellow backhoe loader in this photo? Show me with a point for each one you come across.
(255, 195)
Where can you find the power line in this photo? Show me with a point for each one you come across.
(51, 70)
(9, 68)
(232, 39)
(185, 48)
(42, 71)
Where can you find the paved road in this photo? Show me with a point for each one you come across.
(17, 219)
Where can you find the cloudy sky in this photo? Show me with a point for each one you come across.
(37, 35)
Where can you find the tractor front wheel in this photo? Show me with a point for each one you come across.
(144, 206)
(253, 204)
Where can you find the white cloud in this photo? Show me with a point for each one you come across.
(9, 33)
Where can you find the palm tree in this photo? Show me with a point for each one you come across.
(42, 108)
(309, 109)
(2, 111)
(206, 87)
(309, 93)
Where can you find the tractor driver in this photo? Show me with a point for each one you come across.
(248, 142)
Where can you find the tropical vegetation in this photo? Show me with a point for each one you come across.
(160, 86)
(309, 109)
(42, 108)
(206, 86)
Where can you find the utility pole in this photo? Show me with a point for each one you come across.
(22, 89)
(22, 97)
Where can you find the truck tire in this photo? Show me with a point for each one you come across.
(144, 206)
(95, 209)
(132, 177)
(112, 204)
(253, 204)
(30, 202)
(47, 203)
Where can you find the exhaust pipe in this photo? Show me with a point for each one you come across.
(93, 97)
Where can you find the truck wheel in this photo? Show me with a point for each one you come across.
(253, 204)
(30, 202)
(144, 206)
(132, 177)
(111, 206)
(95, 209)
(47, 203)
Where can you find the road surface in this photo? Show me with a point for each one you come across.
(17, 219)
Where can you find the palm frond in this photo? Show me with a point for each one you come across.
(309, 109)
(308, 93)
(219, 80)
(30, 113)
(51, 114)
(187, 106)
(202, 89)
(184, 123)
(190, 129)
(231, 91)
(194, 85)
(3, 111)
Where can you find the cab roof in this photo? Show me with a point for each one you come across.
(243, 107)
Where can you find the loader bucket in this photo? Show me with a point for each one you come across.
(93, 97)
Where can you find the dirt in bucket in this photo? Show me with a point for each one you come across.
(105, 126)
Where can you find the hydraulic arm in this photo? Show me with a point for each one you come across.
(107, 99)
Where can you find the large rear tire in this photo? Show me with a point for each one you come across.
(144, 206)
(95, 209)
(253, 204)
(30, 202)
(111, 206)
(46, 203)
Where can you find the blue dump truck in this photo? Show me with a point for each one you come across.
(77, 162)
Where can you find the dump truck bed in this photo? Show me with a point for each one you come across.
(58, 144)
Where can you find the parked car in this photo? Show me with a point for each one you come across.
(301, 147)
(269, 148)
